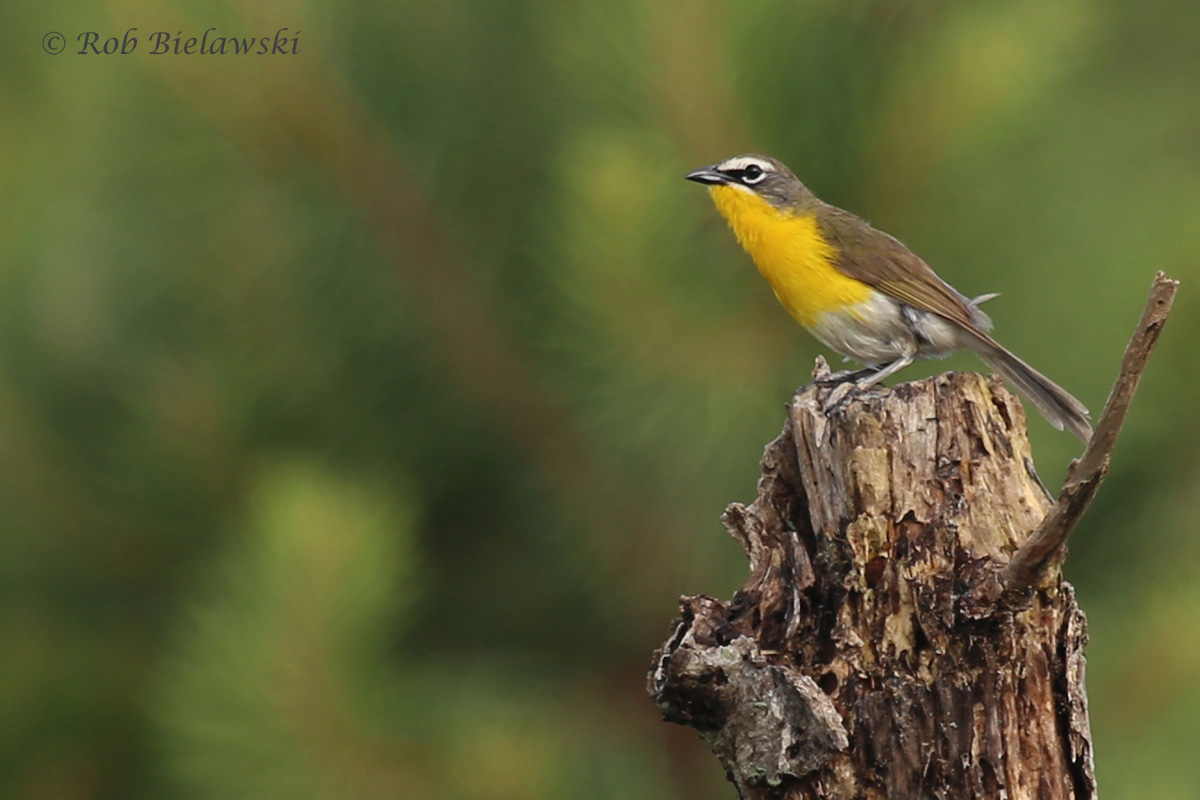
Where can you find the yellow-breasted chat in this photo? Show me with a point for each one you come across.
(860, 291)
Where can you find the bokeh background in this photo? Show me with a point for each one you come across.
(364, 412)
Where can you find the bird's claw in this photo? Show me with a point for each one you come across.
(842, 382)
(836, 400)
(844, 376)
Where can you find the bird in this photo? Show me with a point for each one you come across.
(860, 291)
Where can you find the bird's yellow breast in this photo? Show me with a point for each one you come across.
(791, 254)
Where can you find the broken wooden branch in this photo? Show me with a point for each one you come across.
(1043, 551)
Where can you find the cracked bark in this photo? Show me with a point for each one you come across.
(856, 662)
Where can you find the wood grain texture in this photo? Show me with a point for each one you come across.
(856, 662)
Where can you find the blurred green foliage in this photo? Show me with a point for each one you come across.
(363, 412)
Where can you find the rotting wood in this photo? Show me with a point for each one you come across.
(874, 651)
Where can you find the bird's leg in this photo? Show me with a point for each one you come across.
(875, 375)
(823, 377)
(844, 375)
(863, 379)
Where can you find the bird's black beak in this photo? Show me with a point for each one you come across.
(709, 175)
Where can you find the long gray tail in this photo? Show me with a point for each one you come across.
(1054, 402)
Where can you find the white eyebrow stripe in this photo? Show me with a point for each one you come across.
(741, 162)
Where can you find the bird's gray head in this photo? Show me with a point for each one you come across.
(762, 175)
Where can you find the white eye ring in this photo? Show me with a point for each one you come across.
(753, 174)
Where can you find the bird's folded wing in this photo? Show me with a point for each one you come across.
(883, 262)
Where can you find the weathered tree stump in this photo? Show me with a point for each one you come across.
(861, 659)
(905, 632)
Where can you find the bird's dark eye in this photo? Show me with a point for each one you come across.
(752, 174)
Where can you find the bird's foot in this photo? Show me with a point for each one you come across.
(845, 376)
(840, 395)
(843, 381)
(849, 377)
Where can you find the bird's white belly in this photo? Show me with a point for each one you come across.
(880, 330)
